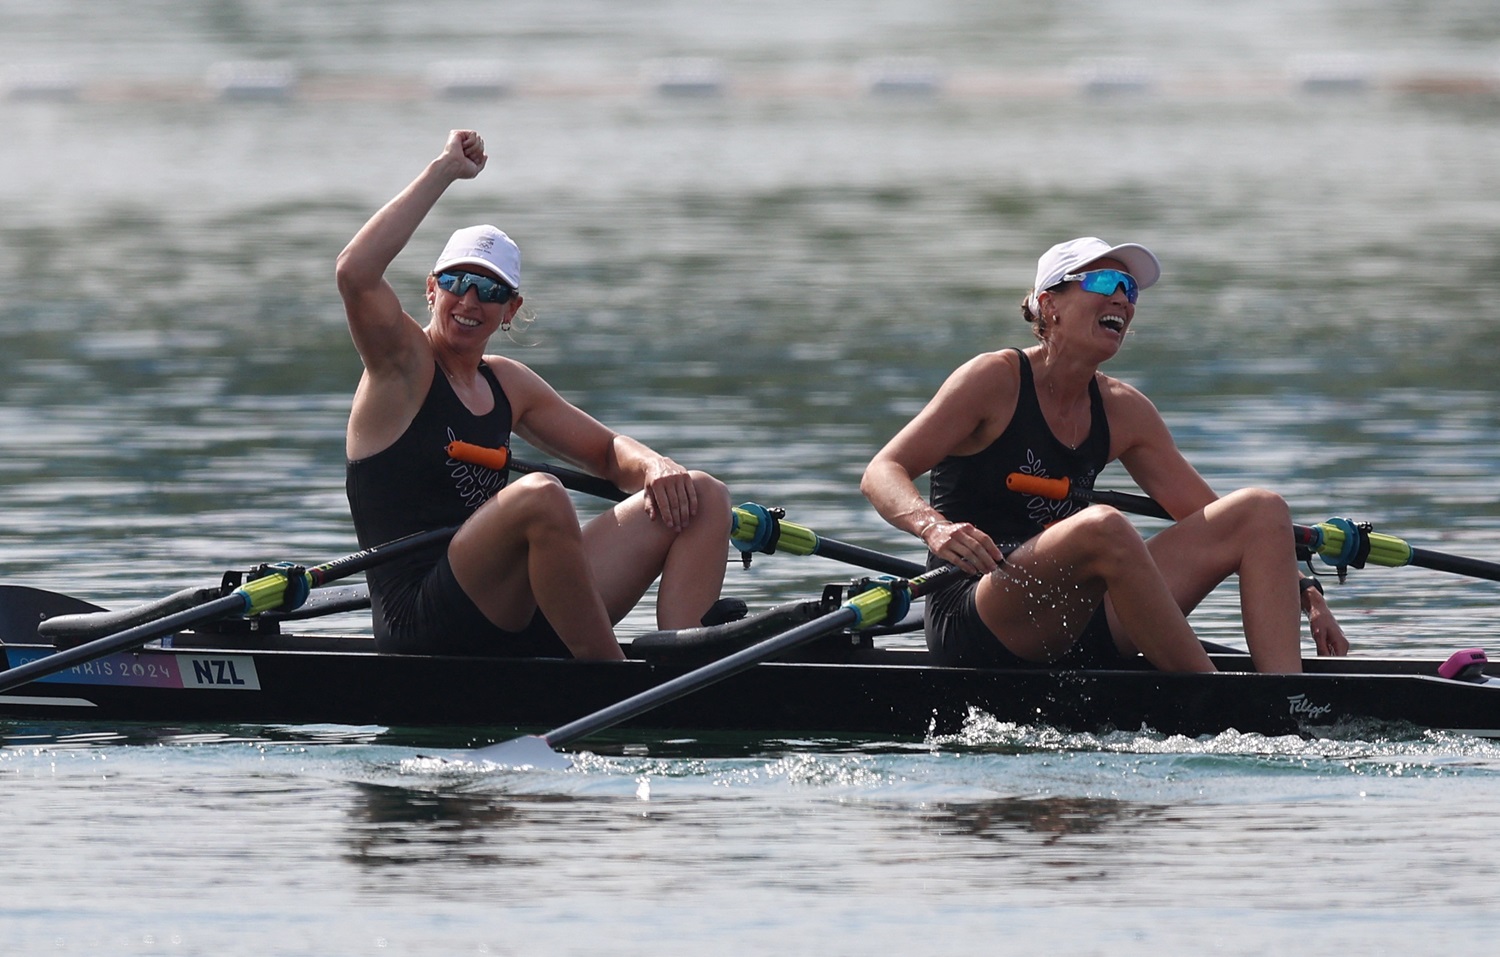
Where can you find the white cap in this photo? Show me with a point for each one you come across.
(483, 246)
(1065, 258)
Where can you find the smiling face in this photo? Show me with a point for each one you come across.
(465, 317)
(1076, 317)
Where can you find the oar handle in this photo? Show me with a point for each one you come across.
(1061, 489)
(500, 459)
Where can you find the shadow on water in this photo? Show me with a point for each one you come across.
(1051, 819)
(393, 827)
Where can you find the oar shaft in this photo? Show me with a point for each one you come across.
(863, 557)
(577, 481)
(225, 607)
(701, 677)
(1059, 489)
(239, 602)
(867, 608)
(368, 558)
(500, 459)
(1327, 540)
(797, 539)
(1456, 564)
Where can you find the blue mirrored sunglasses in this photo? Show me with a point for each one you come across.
(1106, 281)
(459, 282)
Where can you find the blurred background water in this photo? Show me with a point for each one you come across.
(758, 237)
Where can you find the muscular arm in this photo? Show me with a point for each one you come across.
(395, 352)
(1144, 445)
(972, 407)
(551, 423)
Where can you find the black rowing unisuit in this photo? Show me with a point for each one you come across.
(413, 486)
(971, 488)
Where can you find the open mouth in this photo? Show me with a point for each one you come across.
(1113, 323)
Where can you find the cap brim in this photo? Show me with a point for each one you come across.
(1139, 261)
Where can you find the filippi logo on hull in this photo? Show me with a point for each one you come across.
(1303, 708)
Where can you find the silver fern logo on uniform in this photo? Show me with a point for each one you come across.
(474, 483)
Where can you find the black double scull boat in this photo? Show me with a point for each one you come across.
(260, 672)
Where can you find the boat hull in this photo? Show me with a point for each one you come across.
(896, 694)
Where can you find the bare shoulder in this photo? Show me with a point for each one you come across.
(1120, 393)
(991, 374)
(1133, 418)
(385, 403)
(509, 370)
(524, 388)
(975, 404)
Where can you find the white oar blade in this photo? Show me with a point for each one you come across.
(522, 753)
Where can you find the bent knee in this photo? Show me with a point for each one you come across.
(711, 492)
(1106, 535)
(1104, 524)
(535, 498)
(1262, 507)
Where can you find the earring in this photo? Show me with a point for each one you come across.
(504, 325)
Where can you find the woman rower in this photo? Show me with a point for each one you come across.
(520, 577)
(1061, 583)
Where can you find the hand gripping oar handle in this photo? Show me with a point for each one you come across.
(1338, 541)
(258, 595)
(866, 609)
(753, 527)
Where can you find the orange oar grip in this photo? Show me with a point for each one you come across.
(496, 459)
(1036, 485)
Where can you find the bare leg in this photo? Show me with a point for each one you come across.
(1048, 589)
(628, 550)
(523, 550)
(1249, 533)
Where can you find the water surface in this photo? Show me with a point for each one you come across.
(766, 282)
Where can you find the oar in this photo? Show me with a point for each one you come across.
(27, 614)
(500, 459)
(1338, 541)
(1060, 489)
(863, 610)
(754, 527)
(265, 593)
